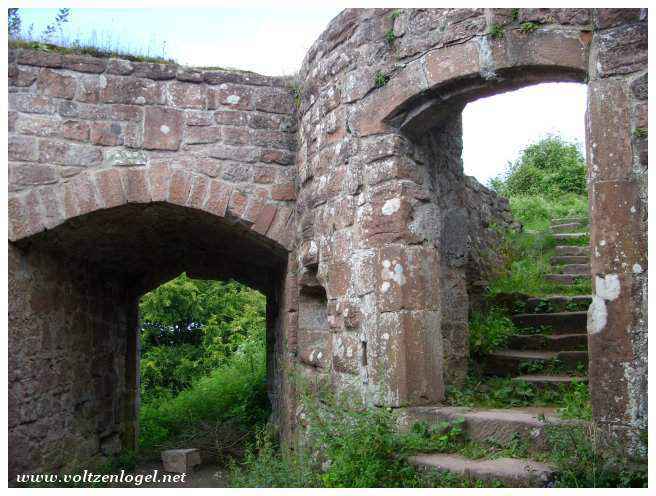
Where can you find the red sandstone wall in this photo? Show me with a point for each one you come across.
(92, 142)
(367, 211)
(367, 194)
(78, 126)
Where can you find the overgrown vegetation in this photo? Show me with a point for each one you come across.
(549, 167)
(496, 31)
(381, 79)
(489, 331)
(390, 36)
(528, 27)
(572, 402)
(346, 445)
(203, 364)
(54, 38)
(583, 461)
(547, 181)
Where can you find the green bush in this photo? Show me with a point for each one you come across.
(549, 167)
(349, 446)
(190, 327)
(233, 395)
(583, 461)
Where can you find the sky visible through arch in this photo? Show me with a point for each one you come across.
(274, 41)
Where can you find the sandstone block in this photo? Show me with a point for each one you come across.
(181, 461)
(162, 128)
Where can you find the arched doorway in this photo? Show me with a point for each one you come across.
(73, 318)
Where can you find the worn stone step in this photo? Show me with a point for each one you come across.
(557, 303)
(565, 279)
(558, 322)
(566, 250)
(583, 269)
(575, 236)
(497, 426)
(567, 220)
(546, 342)
(513, 362)
(566, 227)
(569, 259)
(546, 381)
(511, 472)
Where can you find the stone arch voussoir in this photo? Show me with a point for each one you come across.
(46, 207)
(467, 70)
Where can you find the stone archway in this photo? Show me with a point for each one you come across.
(377, 83)
(74, 311)
(326, 181)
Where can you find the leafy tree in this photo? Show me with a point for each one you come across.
(550, 167)
(189, 327)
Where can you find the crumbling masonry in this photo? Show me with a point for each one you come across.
(341, 196)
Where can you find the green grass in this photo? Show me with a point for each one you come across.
(536, 212)
(489, 331)
(346, 445)
(572, 401)
(583, 461)
(529, 256)
(529, 253)
(220, 409)
(90, 50)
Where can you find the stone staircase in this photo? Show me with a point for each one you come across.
(571, 262)
(551, 351)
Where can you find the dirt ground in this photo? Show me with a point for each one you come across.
(204, 476)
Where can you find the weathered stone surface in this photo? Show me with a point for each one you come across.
(512, 472)
(162, 128)
(182, 461)
(50, 83)
(349, 208)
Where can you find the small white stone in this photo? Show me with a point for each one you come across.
(391, 206)
(608, 287)
(233, 99)
(165, 129)
(637, 268)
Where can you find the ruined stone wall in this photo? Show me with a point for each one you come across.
(351, 212)
(616, 135)
(367, 188)
(489, 218)
(132, 172)
(227, 137)
(72, 360)
(380, 179)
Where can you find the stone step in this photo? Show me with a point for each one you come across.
(575, 236)
(546, 342)
(569, 259)
(567, 250)
(567, 220)
(566, 227)
(583, 269)
(550, 381)
(497, 426)
(514, 362)
(511, 472)
(565, 279)
(558, 322)
(557, 303)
